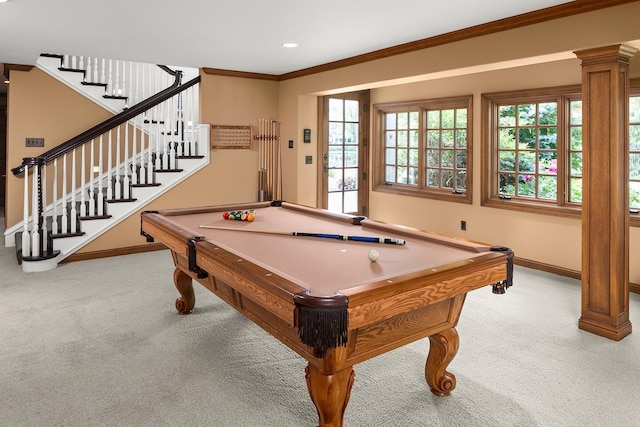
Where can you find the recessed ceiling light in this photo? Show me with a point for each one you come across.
(3, 1)
(290, 45)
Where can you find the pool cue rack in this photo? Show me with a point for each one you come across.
(231, 136)
(269, 160)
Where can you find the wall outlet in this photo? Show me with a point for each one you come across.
(463, 225)
(34, 142)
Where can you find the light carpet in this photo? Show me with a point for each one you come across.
(99, 343)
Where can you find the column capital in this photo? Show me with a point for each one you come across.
(613, 53)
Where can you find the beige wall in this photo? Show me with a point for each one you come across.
(232, 174)
(535, 56)
(531, 57)
(42, 107)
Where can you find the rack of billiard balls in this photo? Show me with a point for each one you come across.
(245, 215)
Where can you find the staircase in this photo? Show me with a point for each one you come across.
(81, 188)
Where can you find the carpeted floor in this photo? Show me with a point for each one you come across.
(99, 343)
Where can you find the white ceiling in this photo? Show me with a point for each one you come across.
(239, 35)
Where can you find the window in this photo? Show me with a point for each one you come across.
(532, 143)
(423, 148)
(634, 150)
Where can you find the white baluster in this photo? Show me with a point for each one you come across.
(124, 79)
(167, 129)
(129, 100)
(193, 151)
(139, 83)
(142, 174)
(65, 218)
(152, 81)
(54, 223)
(103, 78)
(172, 147)
(26, 235)
(159, 130)
(109, 163)
(83, 170)
(88, 74)
(110, 90)
(81, 63)
(134, 166)
(126, 182)
(65, 61)
(73, 212)
(118, 192)
(35, 232)
(43, 231)
(92, 183)
(117, 91)
(100, 198)
(152, 136)
(73, 62)
(96, 71)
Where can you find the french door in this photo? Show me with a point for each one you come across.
(343, 145)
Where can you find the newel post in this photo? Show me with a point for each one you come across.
(605, 191)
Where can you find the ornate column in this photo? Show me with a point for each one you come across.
(605, 195)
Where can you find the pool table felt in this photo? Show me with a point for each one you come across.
(325, 266)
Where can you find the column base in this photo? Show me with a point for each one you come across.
(605, 330)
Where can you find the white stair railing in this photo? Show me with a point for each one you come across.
(116, 84)
(152, 142)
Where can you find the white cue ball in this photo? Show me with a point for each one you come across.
(373, 255)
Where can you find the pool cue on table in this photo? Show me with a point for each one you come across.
(367, 239)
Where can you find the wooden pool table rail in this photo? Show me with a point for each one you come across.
(382, 315)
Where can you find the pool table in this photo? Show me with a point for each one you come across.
(323, 297)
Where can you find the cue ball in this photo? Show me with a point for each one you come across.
(373, 255)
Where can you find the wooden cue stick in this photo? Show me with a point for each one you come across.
(262, 182)
(279, 182)
(270, 162)
(367, 239)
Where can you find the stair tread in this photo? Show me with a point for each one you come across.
(89, 218)
(63, 235)
(73, 70)
(146, 185)
(94, 84)
(58, 225)
(120, 200)
(46, 255)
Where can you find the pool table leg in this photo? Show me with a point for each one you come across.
(184, 284)
(444, 346)
(330, 394)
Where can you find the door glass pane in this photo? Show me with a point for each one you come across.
(351, 201)
(336, 133)
(351, 108)
(335, 157)
(335, 179)
(335, 202)
(350, 179)
(351, 156)
(351, 133)
(343, 153)
(336, 110)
